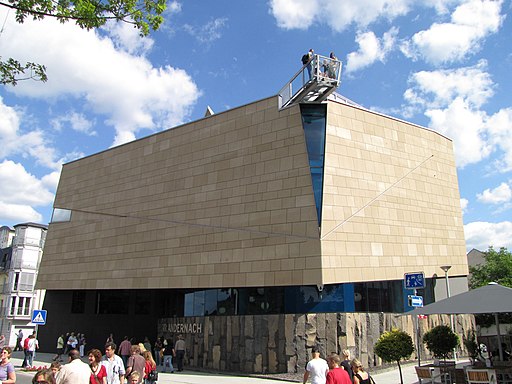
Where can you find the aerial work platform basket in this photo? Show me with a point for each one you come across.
(313, 83)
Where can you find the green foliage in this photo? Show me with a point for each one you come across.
(11, 69)
(441, 341)
(145, 15)
(471, 344)
(497, 268)
(394, 345)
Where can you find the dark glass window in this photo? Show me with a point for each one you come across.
(189, 304)
(169, 303)
(112, 302)
(78, 302)
(226, 301)
(199, 303)
(376, 296)
(142, 302)
(314, 123)
(332, 298)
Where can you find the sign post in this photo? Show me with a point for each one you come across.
(415, 280)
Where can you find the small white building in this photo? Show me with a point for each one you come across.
(19, 264)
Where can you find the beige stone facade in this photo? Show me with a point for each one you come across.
(391, 200)
(227, 201)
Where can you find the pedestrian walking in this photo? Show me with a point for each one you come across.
(180, 348)
(316, 369)
(60, 348)
(74, 372)
(113, 364)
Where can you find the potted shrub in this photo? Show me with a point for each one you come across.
(394, 345)
(471, 345)
(441, 341)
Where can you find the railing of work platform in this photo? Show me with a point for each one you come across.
(313, 83)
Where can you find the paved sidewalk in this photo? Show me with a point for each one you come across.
(391, 376)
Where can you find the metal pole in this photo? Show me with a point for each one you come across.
(417, 320)
(446, 268)
(498, 334)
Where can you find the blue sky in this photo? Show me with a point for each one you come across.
(443, 64)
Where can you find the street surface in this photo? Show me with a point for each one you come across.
(194, 377)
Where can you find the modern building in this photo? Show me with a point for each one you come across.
(21, 253)
(275, 208)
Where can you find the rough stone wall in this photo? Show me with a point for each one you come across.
(281, 343)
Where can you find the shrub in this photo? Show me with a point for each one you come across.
(441, 341)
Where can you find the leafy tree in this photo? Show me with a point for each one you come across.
(441, 341)
(497, 267)
(394, 345)
(87, 14)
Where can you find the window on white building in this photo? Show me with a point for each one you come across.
(26, 306)
(27, 281)
(12, 311)
(23, 306)
(23, 281)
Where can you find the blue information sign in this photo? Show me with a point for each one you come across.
(39, 316)
(414, 280)
(415, 301)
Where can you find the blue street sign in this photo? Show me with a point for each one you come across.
(415, 301)
(39, 316)
(414, 280)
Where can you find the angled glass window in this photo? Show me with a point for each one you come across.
(314, 124)
(61, 215)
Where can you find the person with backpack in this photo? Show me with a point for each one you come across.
(150, 372)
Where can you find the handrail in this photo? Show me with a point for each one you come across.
(320, 70)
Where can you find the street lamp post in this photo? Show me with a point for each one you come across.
(446, 268)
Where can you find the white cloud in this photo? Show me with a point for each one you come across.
(127, 38)
(453, 100)
(301, 14)
(19, 213)
(466, 127)
(27, 144)
(499, 126)
(464, 205)
(207, 33)
(20, 187)
(480, 235)
(499, 195)
(51, 180)
(76, 121)
(294, 14)
(471, 23)
(441, 87)
(371, 49)
(173, 7)
(124, 87)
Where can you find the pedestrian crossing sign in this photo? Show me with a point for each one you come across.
(39, 316)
